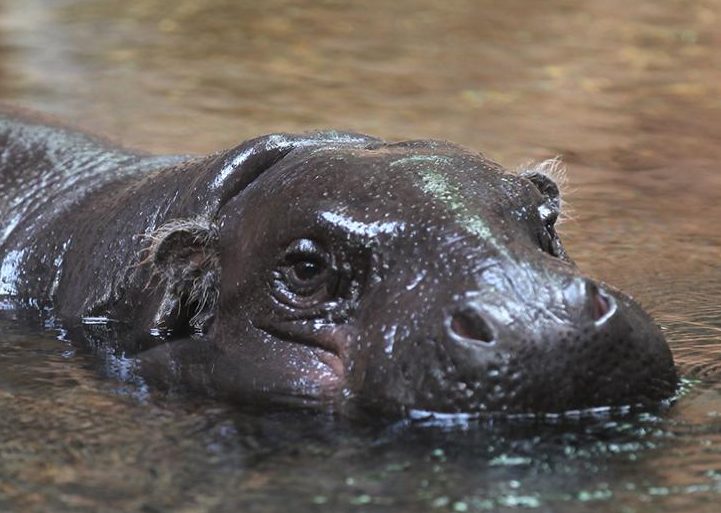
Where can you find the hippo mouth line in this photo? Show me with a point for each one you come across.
(323, 348)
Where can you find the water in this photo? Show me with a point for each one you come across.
(627, 92)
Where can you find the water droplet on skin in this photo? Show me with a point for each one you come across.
(390, 339)
(416, 280)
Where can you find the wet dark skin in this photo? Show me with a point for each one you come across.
(330, 270)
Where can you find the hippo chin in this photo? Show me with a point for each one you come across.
(332, 270)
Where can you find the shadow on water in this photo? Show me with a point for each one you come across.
(626, 92)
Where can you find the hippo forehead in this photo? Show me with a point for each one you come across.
(379, 190)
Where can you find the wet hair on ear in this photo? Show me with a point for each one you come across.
(183, 258)
(551, 179)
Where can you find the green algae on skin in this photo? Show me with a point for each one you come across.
(438, 186)
(435, 184)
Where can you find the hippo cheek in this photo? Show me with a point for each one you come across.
(253, 365)
(281, 373)
(328, 343)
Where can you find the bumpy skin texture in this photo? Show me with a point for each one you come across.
(331, 269)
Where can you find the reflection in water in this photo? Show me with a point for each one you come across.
(626, 92)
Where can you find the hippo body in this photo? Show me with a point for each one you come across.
(332, 270)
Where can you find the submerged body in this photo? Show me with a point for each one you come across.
(330, 269)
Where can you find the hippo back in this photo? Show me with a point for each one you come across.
(44, 165)
(46, 171)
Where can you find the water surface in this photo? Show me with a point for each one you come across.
(627, 92)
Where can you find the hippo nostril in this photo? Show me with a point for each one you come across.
(602, 305)
(469, 324)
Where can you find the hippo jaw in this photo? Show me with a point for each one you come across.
(433, 282)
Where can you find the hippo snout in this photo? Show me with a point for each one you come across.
(472, 323)
(580, 346)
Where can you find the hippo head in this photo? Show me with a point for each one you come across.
(412, 277)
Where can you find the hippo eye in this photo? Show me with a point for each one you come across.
(306, 275)
(306, 271)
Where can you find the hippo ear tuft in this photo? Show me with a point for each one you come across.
(182, 255)
(549, 176)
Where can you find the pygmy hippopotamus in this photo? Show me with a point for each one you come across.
(331, 270)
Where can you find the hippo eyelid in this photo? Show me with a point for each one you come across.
(305, 248)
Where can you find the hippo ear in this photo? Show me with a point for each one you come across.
(226, 174)
(549, 177)
(183, 258)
